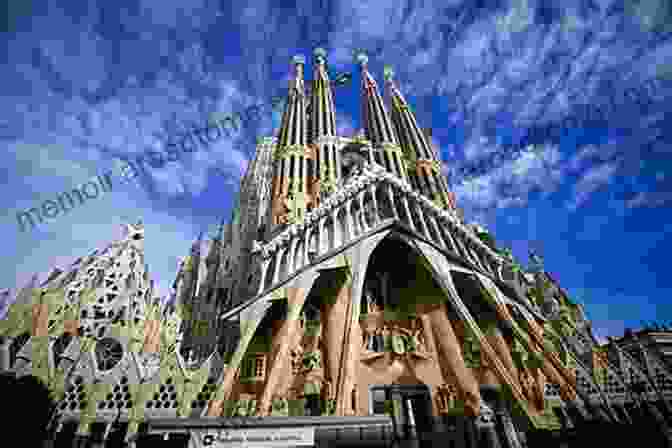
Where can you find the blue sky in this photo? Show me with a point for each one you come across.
(84, 82)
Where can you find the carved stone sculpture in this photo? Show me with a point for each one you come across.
(487, 416)
(447, 395)
(296, 359)
(280, 406)
(527, 383)
(311, 360)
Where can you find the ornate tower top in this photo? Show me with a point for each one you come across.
(409, 132)
(377, 123)
(293, 128)
(362, 58)
(322, 113)
(299, 59)
(417, 147)
(320, 54)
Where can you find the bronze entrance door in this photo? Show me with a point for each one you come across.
(410, 407)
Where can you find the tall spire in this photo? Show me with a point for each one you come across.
(322, 115)
(290, 179)
(377, 123)
(378, 126)
(293, 127)
(424, 168)
(323, 164)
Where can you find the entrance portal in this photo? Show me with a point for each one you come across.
(410, 407)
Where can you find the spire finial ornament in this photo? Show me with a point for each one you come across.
(362, 58)
(388, 73)
(320, 54)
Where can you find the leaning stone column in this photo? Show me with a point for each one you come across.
(249, 321)
(389, 190)
(567, 390)
(449, 347)
(307, 237)
(351, 358)
(428, 334)
(334, 315)
(350, 219)
(264, 273)
(496, 339)
(339, 237)
(374, 201)
(435, 227)
(280, 350)
(421, 217)
(407, 211)
(279, 252)
(321, 236)
(291, 257)
(362, 213)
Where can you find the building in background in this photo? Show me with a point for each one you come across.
(345, 284)
(651, 348)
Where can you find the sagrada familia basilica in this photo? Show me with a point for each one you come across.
(346, 284)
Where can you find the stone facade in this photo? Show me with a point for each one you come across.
(345, 284)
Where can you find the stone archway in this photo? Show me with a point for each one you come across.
(402, 302)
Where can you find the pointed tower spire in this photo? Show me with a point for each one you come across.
(378, 126)
(290, 180)
(293, 127)
(323, 167)
(377, 123)
(322, 115)
(424, 168)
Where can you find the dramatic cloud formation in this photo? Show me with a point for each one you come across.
(552, 118)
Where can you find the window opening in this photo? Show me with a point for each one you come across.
(312, 405)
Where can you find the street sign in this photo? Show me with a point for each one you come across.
(253, 438)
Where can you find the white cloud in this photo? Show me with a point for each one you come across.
(592, 180)
(510, 183)
(509, 70)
